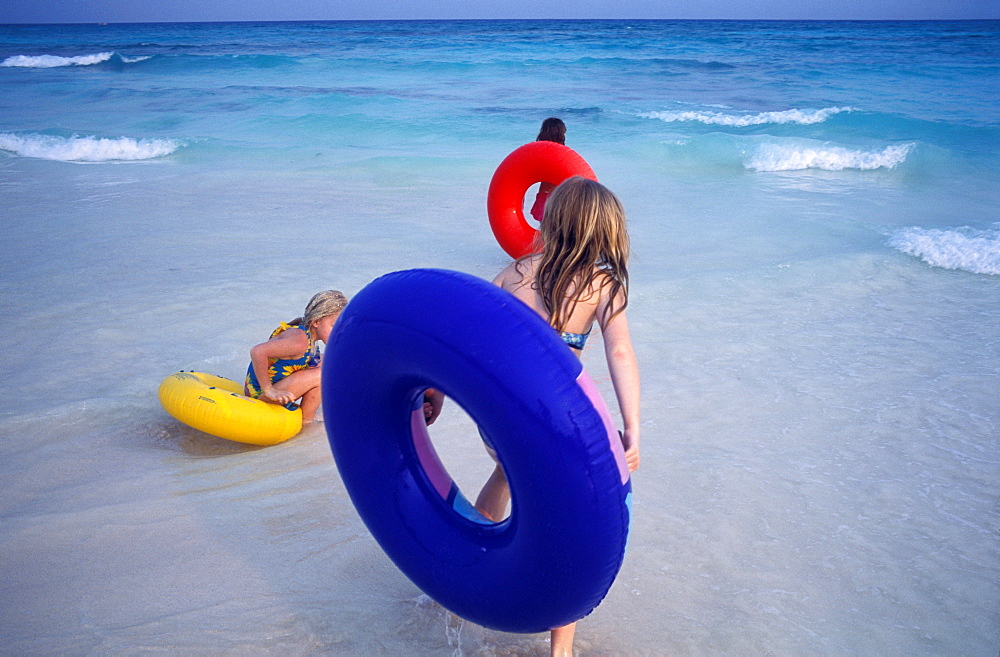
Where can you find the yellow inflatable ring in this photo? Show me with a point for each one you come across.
(217, 405)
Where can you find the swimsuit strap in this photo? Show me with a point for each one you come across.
(312, 351)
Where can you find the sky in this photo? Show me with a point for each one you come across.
(137, 11)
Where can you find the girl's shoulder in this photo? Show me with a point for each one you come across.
(608, 289)
(290, 332)
(601, 281)
(517, 273)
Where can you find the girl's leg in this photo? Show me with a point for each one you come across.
(310, 402)
(493, 499)
(562, 641)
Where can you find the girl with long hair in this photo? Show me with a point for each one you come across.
(578, 275)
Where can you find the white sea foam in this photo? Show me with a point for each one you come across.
(86, 149)
(977, 251)
(54, 61)
(794, 157)
(801, 117)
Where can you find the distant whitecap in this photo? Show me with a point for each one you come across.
(54, 61)
(798, 116)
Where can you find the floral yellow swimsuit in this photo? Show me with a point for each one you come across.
(279, 368)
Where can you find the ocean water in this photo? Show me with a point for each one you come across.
(815, 216)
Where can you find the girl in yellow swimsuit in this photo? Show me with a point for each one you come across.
(286, 367)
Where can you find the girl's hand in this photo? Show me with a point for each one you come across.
(630, 441)
(277, 396)
(433, 400)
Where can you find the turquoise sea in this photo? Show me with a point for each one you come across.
(815, 216)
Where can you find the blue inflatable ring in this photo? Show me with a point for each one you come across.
(553, 560)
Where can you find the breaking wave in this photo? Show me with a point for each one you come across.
(789, 157)
(87, 149)
(976, 251)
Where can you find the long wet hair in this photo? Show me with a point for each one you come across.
(323, 304)
(553, 129)
(585, 243)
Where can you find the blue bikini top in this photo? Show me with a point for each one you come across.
(576, 340)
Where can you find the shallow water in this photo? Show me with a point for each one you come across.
(813, 210)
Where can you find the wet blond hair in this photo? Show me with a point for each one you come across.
(323, 304)
(584, 244)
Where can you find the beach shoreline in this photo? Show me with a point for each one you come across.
(812, 307)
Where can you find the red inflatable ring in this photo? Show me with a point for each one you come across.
(538, 161)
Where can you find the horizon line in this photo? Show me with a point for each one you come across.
(487, 20)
